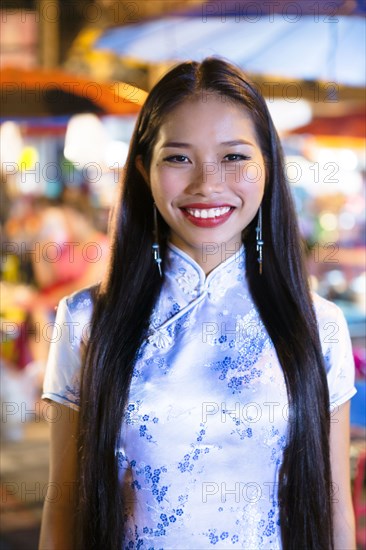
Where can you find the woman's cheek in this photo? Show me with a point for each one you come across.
(253, 173)
(173, 183)
(164, 189)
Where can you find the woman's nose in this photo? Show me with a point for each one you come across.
(207, 179)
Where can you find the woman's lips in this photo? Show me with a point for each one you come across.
(210, 216)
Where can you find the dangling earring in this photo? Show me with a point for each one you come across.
(155, 245)
(260, 241)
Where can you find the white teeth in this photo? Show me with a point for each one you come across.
(208, 213)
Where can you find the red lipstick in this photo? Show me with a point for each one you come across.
(207, 222)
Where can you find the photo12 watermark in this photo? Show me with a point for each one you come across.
(246, 492)
(269, 10)
(51, 11)
(252, 412)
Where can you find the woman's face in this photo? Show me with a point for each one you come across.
(207, 177)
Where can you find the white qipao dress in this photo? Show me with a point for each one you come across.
(205, 427)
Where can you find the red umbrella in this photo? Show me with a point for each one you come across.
(41, 92)
(353, 125)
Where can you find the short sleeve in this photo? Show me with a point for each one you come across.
(62, 377)
(338, 356)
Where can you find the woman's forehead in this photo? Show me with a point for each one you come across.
(210, 114)
(206, 98)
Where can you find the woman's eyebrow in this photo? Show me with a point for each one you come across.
(231, 143)
(176, 144)
(237, 142)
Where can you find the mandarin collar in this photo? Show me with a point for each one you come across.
(192, 279)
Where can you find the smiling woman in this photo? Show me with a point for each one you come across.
(205, 385)
(199, 176)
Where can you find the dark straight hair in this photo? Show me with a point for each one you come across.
(123, 304)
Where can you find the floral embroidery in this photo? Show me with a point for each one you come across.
(239, 371)
(187, 282)
(160, 339)
(72, 392)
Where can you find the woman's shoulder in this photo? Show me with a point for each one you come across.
(73, 320)
(71, 332)
(75, 310)
(80, 303)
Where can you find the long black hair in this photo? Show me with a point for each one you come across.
(123, 304)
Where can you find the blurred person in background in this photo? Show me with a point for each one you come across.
(70, 253)
(58, 251)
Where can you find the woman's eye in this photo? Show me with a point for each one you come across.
(180, 159)
(236, 157)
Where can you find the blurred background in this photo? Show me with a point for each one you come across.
(73, 78)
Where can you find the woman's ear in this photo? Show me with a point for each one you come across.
(140, 167)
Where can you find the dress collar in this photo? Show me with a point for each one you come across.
(190, 276)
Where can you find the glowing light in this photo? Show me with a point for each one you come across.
(28, 158)
(328, 221)
(86, 140)
(347, 220)
(348, 159)
(116, 154)
(359, 284)
(323, 176)
(326, 154)
(337, 280)
(11, 143)
(287, 115)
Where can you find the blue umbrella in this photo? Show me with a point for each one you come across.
(300, 47)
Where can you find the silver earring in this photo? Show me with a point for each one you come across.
(260, 241)
(155, 245)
